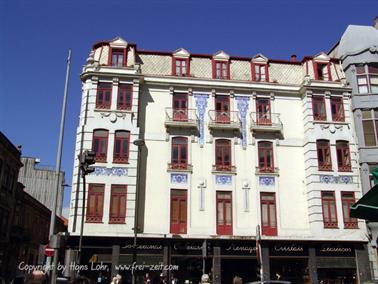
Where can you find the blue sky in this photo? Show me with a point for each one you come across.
(35, 37)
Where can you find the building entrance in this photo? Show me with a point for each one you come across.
(244, 268)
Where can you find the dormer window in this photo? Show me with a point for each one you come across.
(118, 57)
(259, 68)
(180, 67)
(221, 70)
(180, 63)
(221, 66)
(322, 72)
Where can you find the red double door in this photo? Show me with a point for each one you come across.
(180, 107)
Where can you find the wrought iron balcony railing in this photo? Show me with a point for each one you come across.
(224, 119)
(266, 122)
(181, 118)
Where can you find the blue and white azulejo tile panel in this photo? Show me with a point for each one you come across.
(267, 181)
(116, 171)
(223, 179)
(179, 178)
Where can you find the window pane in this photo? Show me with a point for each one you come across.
(366, 114)
(264, 212)
(220, 213)
(99, 205)
(369, 135)
(228, 213)
(182, 211)
(122, 209)
(114, 206)
(325, 211)
(363, 89)
(175, 211)
(272, 215)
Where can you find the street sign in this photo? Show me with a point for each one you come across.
(49, 251)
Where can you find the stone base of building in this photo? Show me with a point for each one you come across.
(187, 259)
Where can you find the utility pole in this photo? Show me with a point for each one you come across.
(54, 244)
(86, 159)
(139, 143)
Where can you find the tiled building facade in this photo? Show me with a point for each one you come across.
(231, 143)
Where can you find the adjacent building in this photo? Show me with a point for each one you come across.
(24, 221)
(232, 144)
(358, 53)
(40, 182)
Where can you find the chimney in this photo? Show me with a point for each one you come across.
(376, 22)
(293, 58)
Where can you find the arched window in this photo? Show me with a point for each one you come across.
(324, 155)
(265, 153)
(100, 144)
(223, 155)
(121, 146)
(343, 156)
(179, 156)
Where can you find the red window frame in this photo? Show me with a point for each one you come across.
(221, 70)
(119, 52)
(100, 144)
(179, 209)
(324, 155)
(179, 155)
(104, 95)
(121, 146)
(319, 71)
(265, 157)
(337, 109)
(95, 203)
(118, 202)
(125, 97)
(329, 209)
(268, 213)
(343, 156)
(224, 212)
(263, 112)
(318, 108)
(222, 109)
(223, 156)
(180, 67)
(348, 199)
(180, 106)
(257, 74)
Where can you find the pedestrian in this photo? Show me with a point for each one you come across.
(147, 279)
(163, 279)
(174, 279)
(237, 280)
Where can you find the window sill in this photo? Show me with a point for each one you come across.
(329, 122)
(94, 222)
(120, 162)
(172, 168)
(117, 223)
(325, 170)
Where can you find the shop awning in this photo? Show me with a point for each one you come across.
(367, 207)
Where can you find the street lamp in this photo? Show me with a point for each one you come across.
(139, 143)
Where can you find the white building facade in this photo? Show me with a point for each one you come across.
(231, 144)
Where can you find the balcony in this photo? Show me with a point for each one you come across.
(266, 122)
(224, 120)
(179, 167)
(183, 118)
(224, 169)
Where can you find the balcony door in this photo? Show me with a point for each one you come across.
(180, 107)
(178, 211)
(263, 112)
(222, 109)
(224, 213)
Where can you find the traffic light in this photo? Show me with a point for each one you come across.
(87, 158)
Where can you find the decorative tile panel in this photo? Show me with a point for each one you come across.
(243, 104)
(103, 171)
(201, 104)
(267, 181)
(179, 178)
(223, 179)
(335, 179)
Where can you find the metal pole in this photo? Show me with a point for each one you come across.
(58, 166)
(139, 143)
(82, 222)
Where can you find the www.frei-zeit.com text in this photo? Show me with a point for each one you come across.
(97, 267)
